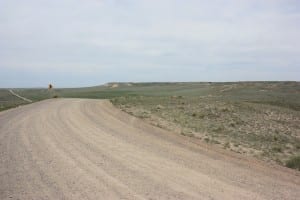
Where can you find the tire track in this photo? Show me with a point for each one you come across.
(23, 98)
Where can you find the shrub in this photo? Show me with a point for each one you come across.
(226, 145)
(294, 162)
(277, 149)
(206, 139)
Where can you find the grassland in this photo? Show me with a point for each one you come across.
(7, 100)
(260, 119)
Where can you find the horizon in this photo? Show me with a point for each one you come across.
(172, 82)
(88, 43)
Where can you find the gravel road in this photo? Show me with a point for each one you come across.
(88, 149)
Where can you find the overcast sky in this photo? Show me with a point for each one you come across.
(74, 43)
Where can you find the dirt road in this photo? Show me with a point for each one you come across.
(87, 149)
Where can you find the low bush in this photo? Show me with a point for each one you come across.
(294, 162)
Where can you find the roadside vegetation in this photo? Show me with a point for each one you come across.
(260, 119)
(294, 162)
(7, 100)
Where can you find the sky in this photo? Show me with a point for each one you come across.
(76, 43)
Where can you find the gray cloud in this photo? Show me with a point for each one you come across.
(137, 40)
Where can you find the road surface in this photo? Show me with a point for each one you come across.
(87, 149)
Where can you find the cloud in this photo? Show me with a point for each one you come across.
(141, 36)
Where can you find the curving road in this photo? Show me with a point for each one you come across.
(87, 149)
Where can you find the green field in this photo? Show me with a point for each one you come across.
(260, 119)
